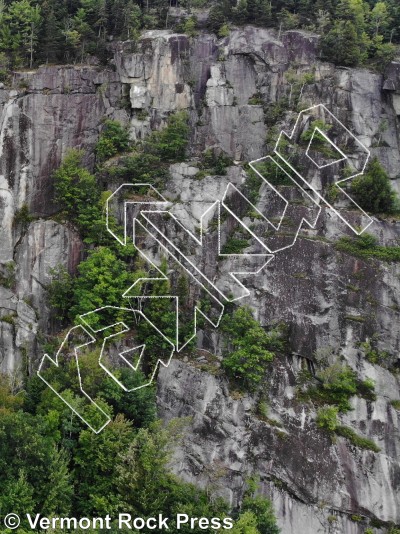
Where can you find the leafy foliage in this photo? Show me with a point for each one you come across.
(249, 348)
(103, 279)
(113, 140)
(372, 353)
(308, 134)
(373, 190)
(79, 196)
(336, 384)
(22, 217)
(137, 168)
(261, 510)
(33, 470)
(148, 162)
(356, 440)
(234, 245)
(60, 293)
(271, 172)
(7, 274)
(49, 461)
(170, 142)
(354, 31)
(327, 418)
(365, 246)
(215, 162)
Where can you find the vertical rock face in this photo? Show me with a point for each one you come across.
(329, 300)
(234, 90)
(24, 311)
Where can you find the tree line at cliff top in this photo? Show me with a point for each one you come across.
(34, 32)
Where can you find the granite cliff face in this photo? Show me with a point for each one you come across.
(327, 298)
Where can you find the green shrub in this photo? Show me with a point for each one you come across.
(249, 348)
(9, 318)
(163, 315)
(262, 516)
(215, 162)
(256, 100)
(140, 168)
(333, 193)
(82, 201)
(114, 139)
(171, 142)
(327, 418)
(234, 246)
(7, 274)
(318, 139)
(396, 404)
(22, 217)
(103, 278)
(190, 27)
(356, 440)
(263, 513)
(336, 385)
(224, 30)
(275, 111)
(4, 76)
(373, 191)
(262, 409)
(367, 241)
(77, 192)
(365, 246)
(60, 293)
(271, 172)
(366, 389)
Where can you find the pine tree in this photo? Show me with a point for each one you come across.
(259, 12)
(342, 45)
(51, 39)
(373, 190)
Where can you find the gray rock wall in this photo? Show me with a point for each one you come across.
(316, 486)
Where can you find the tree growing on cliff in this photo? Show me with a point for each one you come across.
(114, 139)
(171, 142)
(103, 278)
(373, 190)
(76, 191)
(257, 514)
(249, 348)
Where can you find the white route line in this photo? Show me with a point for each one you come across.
(126, 329)
(343, 158)
(217, 204)
(363, 147)
(162, 202)
(57, 364)
(303, 220)
(152, 230)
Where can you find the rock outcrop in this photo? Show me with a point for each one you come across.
(239, 92)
